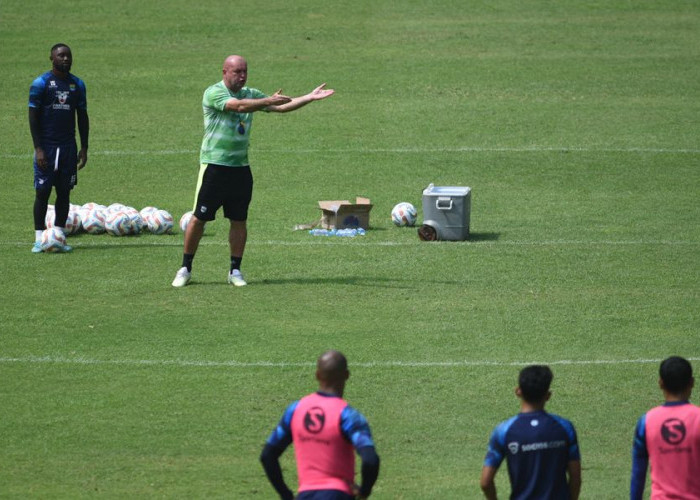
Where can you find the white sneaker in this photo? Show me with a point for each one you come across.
(182, 277)
(236, 278)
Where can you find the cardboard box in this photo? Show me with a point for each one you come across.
(341, 214)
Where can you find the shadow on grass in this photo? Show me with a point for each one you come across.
(108, 246)
(484, 236)
(358, 281)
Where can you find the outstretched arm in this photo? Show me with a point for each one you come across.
(297, 102)
(252, 105)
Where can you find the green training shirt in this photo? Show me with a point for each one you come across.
(226, 133)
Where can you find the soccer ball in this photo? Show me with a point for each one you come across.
(404, 214)
(146, 213)
(117, 223)
(160, 222)
(52, 240)
(50, 216)
(94, 221)
(116, 207)
(73, 222)
(184, 220)
(135, 220)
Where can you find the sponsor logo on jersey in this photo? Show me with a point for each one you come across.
(314, 420)
(515, 447)
(673, 431)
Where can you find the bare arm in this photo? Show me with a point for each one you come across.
(315, 95)
(35, 129)
(251, 105)
(84, 131)
(488, 486)
(574, 470)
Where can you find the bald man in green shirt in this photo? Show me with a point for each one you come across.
(225, 179)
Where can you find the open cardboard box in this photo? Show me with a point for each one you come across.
(342, 214)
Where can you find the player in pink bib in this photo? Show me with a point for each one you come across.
(326, 432)
(668, 436)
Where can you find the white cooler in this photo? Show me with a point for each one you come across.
(446, 209)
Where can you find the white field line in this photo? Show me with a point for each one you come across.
(458, 149)
(104, 241)
(293, 364)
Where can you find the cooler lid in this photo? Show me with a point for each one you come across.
(446, 190)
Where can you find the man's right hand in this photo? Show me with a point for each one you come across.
(41, 158)
(278, 98)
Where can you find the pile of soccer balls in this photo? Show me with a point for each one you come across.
(115, 219)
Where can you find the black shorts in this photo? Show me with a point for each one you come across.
(324, 495)
(221, 186)
(62, 168)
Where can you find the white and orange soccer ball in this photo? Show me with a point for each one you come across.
(404, 214)
(160, 222)
(135, 220)
(52, 240)
(184, 220)
(117, 223)
(73, 223)
(146, 213)
(94, 221)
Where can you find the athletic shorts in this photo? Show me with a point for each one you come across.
(62, 168)
(324, 495)
(221, 186)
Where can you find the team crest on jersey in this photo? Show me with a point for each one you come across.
(62, 96)
(72, 87)
(513, 447)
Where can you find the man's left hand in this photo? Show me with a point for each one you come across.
(320, 92)
(82, 158)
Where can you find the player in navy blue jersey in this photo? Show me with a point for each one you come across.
(55, 99)
(541, 449)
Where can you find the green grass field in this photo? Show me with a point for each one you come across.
(577, 126)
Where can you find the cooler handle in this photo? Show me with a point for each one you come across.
(442, 206)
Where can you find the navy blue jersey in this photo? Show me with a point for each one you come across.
(58, 100)
(537, 447)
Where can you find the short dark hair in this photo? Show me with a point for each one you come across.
(58, 46)
(534, 382)
(676, 373)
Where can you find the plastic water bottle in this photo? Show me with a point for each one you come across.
(347, 233)
(318, 232)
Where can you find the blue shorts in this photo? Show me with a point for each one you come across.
(324, 495)
(62, 168)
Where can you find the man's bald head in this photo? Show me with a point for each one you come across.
(235, 72)
(332, 368)
(234, 60)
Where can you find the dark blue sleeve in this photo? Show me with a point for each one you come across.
(355, 428)
(281, 437)
(497, 444)
(574, 452)
(36, 92)
(640, 460)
